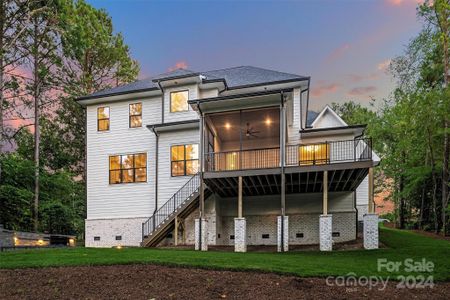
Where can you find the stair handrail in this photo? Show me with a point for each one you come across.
(174, 202)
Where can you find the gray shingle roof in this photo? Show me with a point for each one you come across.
(312, 115)
(236, 77)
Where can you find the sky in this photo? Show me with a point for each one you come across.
(345, 46)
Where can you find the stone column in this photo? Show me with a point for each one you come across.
(197, 234)
(201, 235)
(325, 231)
(370, 231)
(283, 230)
(240, 235)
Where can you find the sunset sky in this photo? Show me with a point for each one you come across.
(344, 46)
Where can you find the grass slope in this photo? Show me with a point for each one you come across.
(402, 245)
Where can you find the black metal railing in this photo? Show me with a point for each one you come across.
(296, 155)
(170, 207)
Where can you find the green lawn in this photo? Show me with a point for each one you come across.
(402, 245)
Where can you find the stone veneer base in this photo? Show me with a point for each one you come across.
(325, 231)
(240, 235)
(285, 234)
(370, 231)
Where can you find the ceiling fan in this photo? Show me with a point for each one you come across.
(250, 132)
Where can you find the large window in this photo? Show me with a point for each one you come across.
(128, 168)
(179, 101)
(135, 115)
(314, 154)
(103, 118)
(184, 160)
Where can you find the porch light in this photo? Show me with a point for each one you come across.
(227, 125)
(268, 121)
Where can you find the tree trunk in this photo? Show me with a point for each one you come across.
(401, 208)
(36, 95)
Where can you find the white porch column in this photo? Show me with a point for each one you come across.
(325, 220)
(283, 231)
(370, 220)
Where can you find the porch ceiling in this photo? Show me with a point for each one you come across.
(307, 182)
(264, 122)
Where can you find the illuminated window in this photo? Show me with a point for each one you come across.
(179, 101)
(103, 118)
(135, 115)
(314, 154)
(184, 160)
(128, 168)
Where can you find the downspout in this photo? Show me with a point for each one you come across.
(162, 101)
(156, 167)
(307, 103)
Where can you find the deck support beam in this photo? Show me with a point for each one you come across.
(201, 223)
(325, 220)
(240, 224)
(283, 233)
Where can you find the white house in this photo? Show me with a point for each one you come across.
(224, 157)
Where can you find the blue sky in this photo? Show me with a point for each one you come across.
(343, 45)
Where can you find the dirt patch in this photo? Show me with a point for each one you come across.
(158, 282)
(432, 234)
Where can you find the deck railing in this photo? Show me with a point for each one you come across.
(296, 155)
(168, 208)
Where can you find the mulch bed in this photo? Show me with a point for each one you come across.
(159, 282)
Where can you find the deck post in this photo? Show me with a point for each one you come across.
(370, 219)
(175, 235)
(240, 224)
(201, 224)
(283, 233)
(325, 220)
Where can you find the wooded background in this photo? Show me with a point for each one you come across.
(53, 51)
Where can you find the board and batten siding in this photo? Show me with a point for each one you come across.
(168, 185)
(126, 200)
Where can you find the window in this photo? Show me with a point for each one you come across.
(103, 118)
(179, 101)
(184, 160)
(135, 115)
(314, 154)
(128, 168)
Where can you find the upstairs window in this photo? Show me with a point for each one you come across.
(184, 160)
(135, 115)
(179, 101)
(128, 168)
(103, 118)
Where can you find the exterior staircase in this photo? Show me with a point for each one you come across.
(181, 204)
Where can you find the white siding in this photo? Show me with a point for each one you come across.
(183, 115)
(293, 113)
(168, 185)
(120, 200)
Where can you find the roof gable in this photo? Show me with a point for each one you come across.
(328, 118)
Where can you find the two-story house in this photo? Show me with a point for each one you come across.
(225, 157)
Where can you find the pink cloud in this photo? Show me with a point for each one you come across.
(402, 2)
(384, 65)
(324, 88)
(179, 65)
(358, 78)
(363, 90)
(338, 53)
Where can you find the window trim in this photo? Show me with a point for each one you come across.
(183, 160)
(170, 101)
(124, 169)
(130, 115)
(102, 119)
